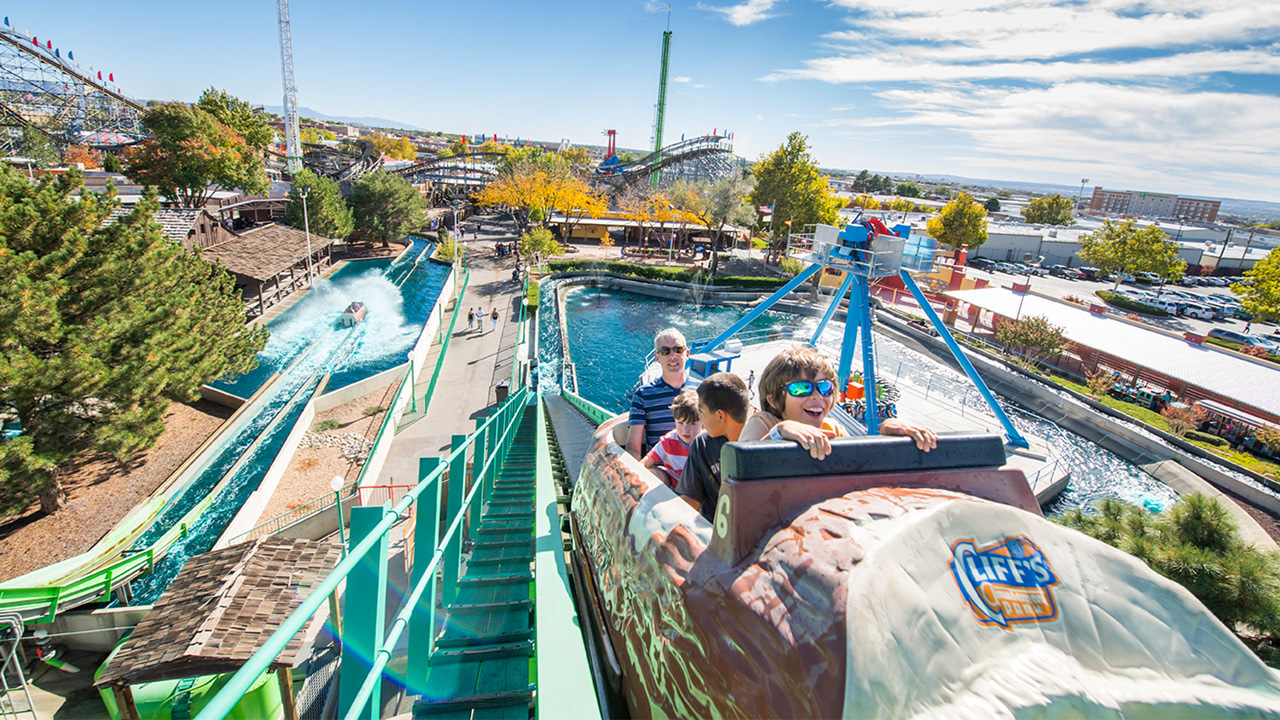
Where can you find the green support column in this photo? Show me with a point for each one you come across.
(478, 474)
(426, 533)
(453, 551)
(363, 613)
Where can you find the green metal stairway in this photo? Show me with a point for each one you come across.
(483, 661)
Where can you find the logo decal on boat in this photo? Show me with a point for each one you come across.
(1006, 582)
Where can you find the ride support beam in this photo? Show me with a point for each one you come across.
(1012, 436)
(364, 609)
(758, 310)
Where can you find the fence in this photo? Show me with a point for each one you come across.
(365, 649)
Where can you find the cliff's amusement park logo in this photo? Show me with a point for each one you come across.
(1006, 582)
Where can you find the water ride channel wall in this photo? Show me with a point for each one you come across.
(1149, 448)
(242, 526)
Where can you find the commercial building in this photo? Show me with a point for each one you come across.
(1153, 205)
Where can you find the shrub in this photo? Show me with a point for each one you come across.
(1196, 544)
(1034, 336)
(1269, 438)
(1182, 419)
(1205, 437)
(1125, 303)
(373, 410)
(654, 272)
(325, 425)
(447, 248)
(791, 267)
(1098, 380)
(531, 295)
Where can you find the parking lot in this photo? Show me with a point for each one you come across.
(1084, 289)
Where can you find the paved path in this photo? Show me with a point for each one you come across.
(476, 360)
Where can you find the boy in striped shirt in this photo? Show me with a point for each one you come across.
(669, 454)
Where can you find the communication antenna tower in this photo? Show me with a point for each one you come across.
(661, 109)
(292, 139)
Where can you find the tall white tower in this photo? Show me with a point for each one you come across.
(292, 140)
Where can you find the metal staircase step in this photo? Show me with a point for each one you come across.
(475, 654)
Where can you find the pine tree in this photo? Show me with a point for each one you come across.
(104, 325)
(327, 211)
(386, 206)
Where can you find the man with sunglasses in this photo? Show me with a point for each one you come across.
(651, 416)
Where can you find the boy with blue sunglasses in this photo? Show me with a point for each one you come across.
(797, 391)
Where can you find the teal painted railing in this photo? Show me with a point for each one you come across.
(592, 411)
(365, 648)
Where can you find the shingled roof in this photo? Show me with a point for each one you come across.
(221, 608)
(265, 251)
(176, 222)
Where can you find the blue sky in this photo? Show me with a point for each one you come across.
(1165, 95)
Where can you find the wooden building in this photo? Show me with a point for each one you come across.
(193, 227)
(215, 614)
(269, 262)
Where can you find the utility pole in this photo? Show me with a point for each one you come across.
(1080, 195)
(292, 139)
(660, 111)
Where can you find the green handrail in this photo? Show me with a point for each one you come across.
(239, 683)
(594, 412)
(444, 345)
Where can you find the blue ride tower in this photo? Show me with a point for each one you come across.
(866, 250)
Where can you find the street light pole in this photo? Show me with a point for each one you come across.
(1026, 287)
(1080, 195)
(336, 485)
(413, 395)
(306, 224)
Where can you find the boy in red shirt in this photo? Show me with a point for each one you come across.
(669, 454)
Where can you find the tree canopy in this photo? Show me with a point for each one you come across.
(1049, 210)
(1034, 337)
(385, 206)
(789, 180)
(714, 205)
(237, 115)
(909, 189)
(1123, 247)
(1262, 296)
(192, 155)
(35, 145)
(104, 325)
(327, 211)
(395, 147)
(992, 204)
(1196, 544)
(960, 222)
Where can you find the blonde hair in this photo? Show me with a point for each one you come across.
(798, 362)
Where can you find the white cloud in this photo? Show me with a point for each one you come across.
(746, 13)
(895, 67)
(681, 79)
(1144, 134)
(653, 6)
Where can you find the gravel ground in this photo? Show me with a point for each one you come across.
(100, 492)
(308, 475)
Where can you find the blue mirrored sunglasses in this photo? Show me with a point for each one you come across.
(665, 351)
(805, 388)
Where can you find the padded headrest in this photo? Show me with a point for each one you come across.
(866, 454)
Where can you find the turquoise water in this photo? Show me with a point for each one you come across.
(607, 370)
(305, 343)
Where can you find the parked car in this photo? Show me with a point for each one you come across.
(1089, 273)
(1200, 312)
(1147, 278)
(981, 263)
(1235, 337)
(1005, 267)
(1063, 271)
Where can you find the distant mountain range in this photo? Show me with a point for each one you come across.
(304, 111)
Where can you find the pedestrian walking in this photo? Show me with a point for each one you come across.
(1248, 324)
(493, 317)
(471, 319)
(751, 383)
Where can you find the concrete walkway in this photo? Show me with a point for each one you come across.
(476, 360)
